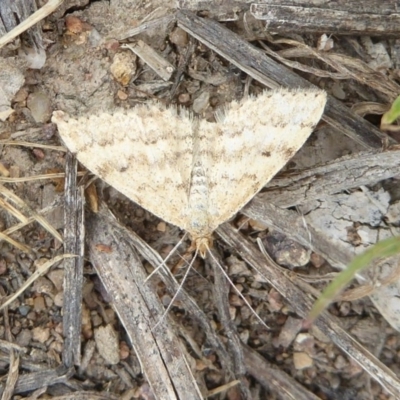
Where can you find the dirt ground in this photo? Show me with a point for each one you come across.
(86, 71)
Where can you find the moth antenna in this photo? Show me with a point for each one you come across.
(238, 291)
(167, 258)
(177, 292)
(184, 259)
(192, 376)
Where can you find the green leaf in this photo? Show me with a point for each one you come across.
(394, 113)
(385, 248)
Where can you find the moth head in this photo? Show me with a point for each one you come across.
(202, 245)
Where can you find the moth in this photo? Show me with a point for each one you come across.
(190, 172)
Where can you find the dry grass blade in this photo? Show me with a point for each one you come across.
(28, 221)
(346, 67)
(36, 17)
(12, 210)
(369, 107)
(12, 377)
(144, 26)
(36, 177)
(42, 269)
(21, 217)
(32, 145)
(222, 388)
(303, 67)
(13, 242)
(364, 74)
(155, 61)
(29, 211)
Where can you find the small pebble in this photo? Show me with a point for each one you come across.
(123, 350)
(3, 170)
(275, 300)
(162, 226)
(237, 267)
(123, 67)
(304, 342)
(122, 95)
(43, 285)
(340, 362)
(49, 130)
(179, 37)
(24, 338)
(338, 91)
(75, 25)
(316, 260)
(39, 154)
(325, 43)
(87, 329)
(107, 343)
(96, 319)
(21, 95)
(289, 331)
(58, 299)
(39, 304)
(184, 98)
(40, 334)
(40, 106)
(24, 310)
(56, 276)
(201, 102)
(302, 360)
